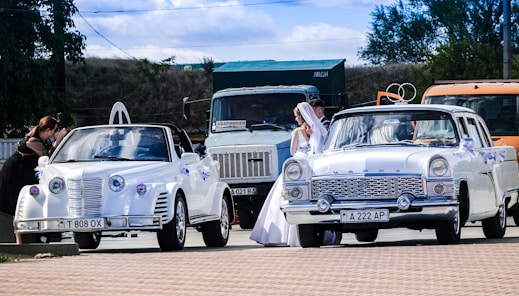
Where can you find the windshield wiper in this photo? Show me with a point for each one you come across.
(262, 126)
(111, 157)
(226, 130)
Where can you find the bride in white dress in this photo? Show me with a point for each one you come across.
(271, 228)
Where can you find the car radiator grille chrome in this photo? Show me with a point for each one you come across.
(243, 165)
(85, 197)
(161, 207)
(367, 187)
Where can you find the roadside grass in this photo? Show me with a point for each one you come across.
(8, 258)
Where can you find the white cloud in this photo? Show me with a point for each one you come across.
(192, 30)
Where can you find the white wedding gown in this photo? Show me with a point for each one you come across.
(271, 228)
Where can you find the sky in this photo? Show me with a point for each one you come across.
(225, 31)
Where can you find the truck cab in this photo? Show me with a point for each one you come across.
(249, 134)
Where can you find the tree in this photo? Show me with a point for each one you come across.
(400, 34)
(458, 39)
(36, 36)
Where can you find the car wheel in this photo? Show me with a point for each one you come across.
(367, 236)
(87, 240)
(216, 233)
(310, 236)
(172, 236)
(449, 232)
(495, 227)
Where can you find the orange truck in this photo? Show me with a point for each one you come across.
(497, 101)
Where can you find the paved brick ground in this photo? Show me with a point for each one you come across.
(475, 267)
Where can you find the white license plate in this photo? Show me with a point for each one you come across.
(244, 191)
(364, 216)
(85, 223)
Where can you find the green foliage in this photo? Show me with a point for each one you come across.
(8, 258)
(400, 34)
(363, 83)
(36, 37)
(152, 92)
(458, 39)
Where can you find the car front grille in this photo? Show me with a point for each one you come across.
(244, 165)
(85, 197)
(367, 187)
(161, 207)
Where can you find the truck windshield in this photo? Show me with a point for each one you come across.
(244, 111)
(498, 111)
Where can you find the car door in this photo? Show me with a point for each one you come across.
(479, 170)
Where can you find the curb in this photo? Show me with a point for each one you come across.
(60, 249)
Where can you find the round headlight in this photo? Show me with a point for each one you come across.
(294, 171)
(56, 185)
(116, 183)
(439, 188)
(439, 167)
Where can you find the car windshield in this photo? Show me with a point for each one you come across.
(125, 143)
(272, 110)
(423, 128)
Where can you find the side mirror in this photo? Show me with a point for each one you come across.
(43, 161)
(190, 158)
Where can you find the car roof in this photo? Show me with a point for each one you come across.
(407, 107)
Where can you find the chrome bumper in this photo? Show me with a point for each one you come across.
(44, 225)
(307, 213)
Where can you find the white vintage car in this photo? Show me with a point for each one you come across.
(123, 177)
(413, 166)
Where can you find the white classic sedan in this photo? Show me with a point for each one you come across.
(122, 177)
(413, 166)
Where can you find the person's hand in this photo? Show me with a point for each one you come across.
(62, 133)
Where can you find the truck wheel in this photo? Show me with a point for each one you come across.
(246, 220)
(172, 236)
(310, 236)
(216, 233)
(495, 227)
(367, 236)
(449, 232)
(87, 240)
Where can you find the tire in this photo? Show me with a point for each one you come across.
(310, 236)
(87, 240)
(172, 236)
(367, 236)
(495, 227)
(449, 232)
(216, 233)
(246, 220)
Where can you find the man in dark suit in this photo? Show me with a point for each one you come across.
(318, 106)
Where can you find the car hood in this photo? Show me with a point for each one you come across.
(373, 161)
(104, 169)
